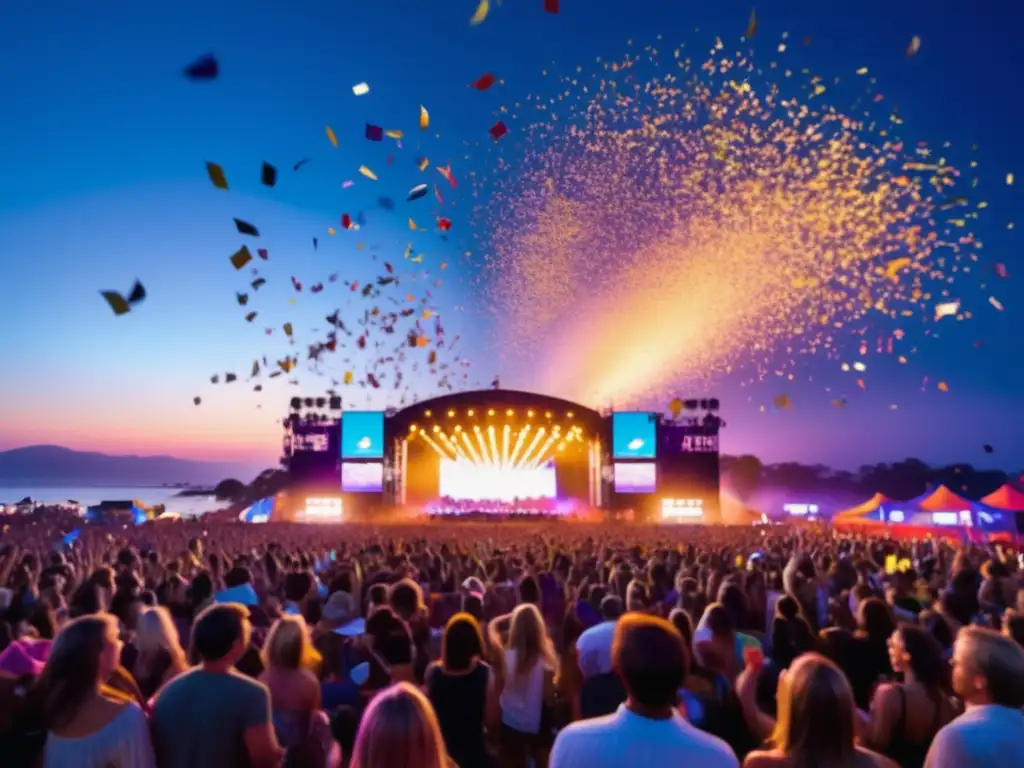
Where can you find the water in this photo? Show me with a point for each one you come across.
(91, 495)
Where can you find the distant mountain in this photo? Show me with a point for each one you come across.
(52, 465)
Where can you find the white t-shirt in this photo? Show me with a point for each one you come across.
(522, 698)
(627, 739)
(594, 649)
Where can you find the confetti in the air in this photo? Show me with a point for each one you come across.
(913, 46)
(216, 174)
(122, 305)
(480, 13)
(367, 173)
(424, 118)
(739, 224)
(203, 68)
(360, 89)
(331, 137)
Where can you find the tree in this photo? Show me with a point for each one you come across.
(229, 490)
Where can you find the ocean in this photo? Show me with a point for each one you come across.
(90, 495)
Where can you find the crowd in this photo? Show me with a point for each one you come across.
(192, 645)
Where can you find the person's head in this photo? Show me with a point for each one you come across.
(399, 728)
(720, 622)
(648, 655)
(1013, 626)
(376, 596)
(462, 642)
(528, 638)
(988, 668)
(237, 576)
(787, 608)
(288, 646)
(529, 590)
(298, 585)
(611, 608)
(221, 634)
(87, 600)
(85, 654)
(680, 619)
(155, 631)
(912, 651)
(875, 618)
(406, 598)
(636, 596)
(815, 713)
(473, 605)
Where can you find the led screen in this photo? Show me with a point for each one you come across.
(635, 478)
(362, 435)
(362, 477)
(633, 436)
(464, 481)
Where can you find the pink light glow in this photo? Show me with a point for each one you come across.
(465, 481)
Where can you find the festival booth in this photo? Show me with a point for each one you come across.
(866, 515)
(939, 512)
(1005, 497)
(260, 512)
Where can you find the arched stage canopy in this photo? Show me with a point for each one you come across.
(500, 400)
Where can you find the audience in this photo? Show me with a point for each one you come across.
(522, 644)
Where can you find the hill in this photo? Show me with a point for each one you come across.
(52, 465)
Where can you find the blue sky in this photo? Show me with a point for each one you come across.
(102, 153)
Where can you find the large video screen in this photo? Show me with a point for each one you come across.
(362, 477)
(633, 435)
(636, 478)
(362, 435)
(464, 481)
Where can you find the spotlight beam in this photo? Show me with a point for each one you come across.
(518, 445)
(456, 449)
(471, 450)
(505, 435)
(483, 447)
(494, 446)
(544, 453)
(524, 461)
(434, 445)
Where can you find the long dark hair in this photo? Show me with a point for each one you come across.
(72, 669)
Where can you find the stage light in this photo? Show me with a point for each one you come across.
(548, 414)
(569, 415)
(476, 427)
(471, 412)
(436, 429)
(509, 412)
(428, 414)
(451, 413)
(412, 427)
(458, 428)
(529, 414)
(490, 411)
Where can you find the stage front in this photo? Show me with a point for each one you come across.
(513, 453)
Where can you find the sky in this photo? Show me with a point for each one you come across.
(103, 150)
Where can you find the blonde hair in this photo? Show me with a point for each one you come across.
(155, 631)
(288, 645)
(815, 714)
(528, 637)
(399, 728)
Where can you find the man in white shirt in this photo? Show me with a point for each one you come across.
(594, 646)
(647, 731)
(988, 674)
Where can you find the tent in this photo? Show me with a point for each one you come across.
(1006, 497)
(864, 509)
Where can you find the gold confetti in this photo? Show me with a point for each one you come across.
(367, 173)
(995, 303)
(424, 119)
(1009, 179)
(331, 137)
(360, 89)
(481, 12)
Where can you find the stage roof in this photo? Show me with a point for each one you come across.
(500, 400)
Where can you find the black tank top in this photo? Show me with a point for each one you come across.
(912, 754)
(460, 701)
